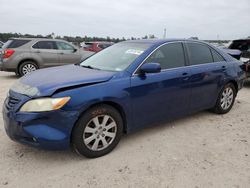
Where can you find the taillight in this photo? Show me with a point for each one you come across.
(7, 53)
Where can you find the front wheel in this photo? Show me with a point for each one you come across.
(225, 99)
(97, 132)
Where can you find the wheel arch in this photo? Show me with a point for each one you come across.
(116, 106)
(27, 59)
(235, 84)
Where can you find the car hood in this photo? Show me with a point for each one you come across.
(45, 82)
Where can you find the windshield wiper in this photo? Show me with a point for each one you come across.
(89, 67)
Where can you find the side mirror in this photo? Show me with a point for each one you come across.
(74, 50)
(150, 68)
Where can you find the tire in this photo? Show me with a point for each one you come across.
(27, 67)
(92, 137)
(225, 99)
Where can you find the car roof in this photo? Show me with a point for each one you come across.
(99, 42)
(36, 39)
(162, 41)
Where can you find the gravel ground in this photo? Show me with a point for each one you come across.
(202, 150)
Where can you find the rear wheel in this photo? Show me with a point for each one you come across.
(27, 67)
(97, 132)
(225, 99)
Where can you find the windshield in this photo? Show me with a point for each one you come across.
(117, 57)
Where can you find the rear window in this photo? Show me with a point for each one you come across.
(216, 56)
(15, 43)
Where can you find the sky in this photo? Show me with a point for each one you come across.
(206, 19)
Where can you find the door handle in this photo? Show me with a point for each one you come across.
(185, 76)
(224, 68)
(37, 51)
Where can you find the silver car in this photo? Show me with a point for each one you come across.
(24, 55)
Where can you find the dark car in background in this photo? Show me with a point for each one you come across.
(126, 87)
(96, 46)
(24, 55)
(244, 46)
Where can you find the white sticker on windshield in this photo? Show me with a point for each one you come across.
(134, 51)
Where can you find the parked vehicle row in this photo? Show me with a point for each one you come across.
(96, 46)
(24, 55)
(126, 87)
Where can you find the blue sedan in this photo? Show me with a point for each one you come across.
(126, 87)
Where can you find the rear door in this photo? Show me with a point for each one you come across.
(208, 73)
(160, 96)
(67, 53)
(47, 51)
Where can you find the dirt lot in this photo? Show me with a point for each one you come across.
(202, 150)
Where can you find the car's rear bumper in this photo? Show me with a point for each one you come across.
(48, 130)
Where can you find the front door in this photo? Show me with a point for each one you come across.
(67, 53)
(48, 53)
(165, 95)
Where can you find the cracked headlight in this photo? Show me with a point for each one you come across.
(44, 104)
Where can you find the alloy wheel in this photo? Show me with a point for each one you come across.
(27, 68)
(227, 98)
(100, 132)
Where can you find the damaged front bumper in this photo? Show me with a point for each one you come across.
(46, 130)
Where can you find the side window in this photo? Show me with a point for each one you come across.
(168, 56)
(45, 45)
(199, 54)
(64, 46)
(216, 56)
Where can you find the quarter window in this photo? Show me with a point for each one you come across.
(199, 54)
(15, 43)
(168, 56)
(216, 56)
(45, 45)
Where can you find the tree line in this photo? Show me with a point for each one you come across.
(77, 39)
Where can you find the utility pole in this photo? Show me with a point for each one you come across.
(165, 33)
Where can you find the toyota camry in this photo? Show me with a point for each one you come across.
(126, 87)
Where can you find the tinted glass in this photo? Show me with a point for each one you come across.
(16, 43)
(117, 57)
(217, 57)
(168, 56)
(64, 46)
(45, 45)
(199, 54)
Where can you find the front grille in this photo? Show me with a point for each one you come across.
(11, 102)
